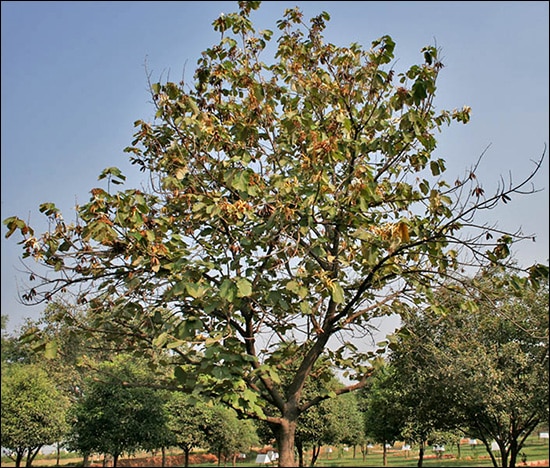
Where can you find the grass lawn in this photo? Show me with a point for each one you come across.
(535, 449)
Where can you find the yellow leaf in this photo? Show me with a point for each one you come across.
(404, 232)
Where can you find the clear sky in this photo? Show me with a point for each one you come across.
(73, 82)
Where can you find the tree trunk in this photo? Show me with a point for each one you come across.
(421, 455)
(186, 456)
(513, 452)
(315, 454)
(286, 432)
(115, 460)
(18, 459)
(385, 455)
(32, 454)
(300, 449)
(503, 458)
(163, 451)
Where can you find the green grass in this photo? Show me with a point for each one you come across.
(535, 449)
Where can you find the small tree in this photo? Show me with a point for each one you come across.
(335, 421)
(383, 413)
(346, 425)
(117, 413)
(226, 434)
(33, 411)
(186, 422)
(292, 201)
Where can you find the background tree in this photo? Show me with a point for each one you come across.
(226, 434)
(335, 421)
(488, 355)
(290, 201)
(33, 411)
(427, 405)
(383, 413)
(186, 422)
(346, 424)
(3, 337)
(118, 413)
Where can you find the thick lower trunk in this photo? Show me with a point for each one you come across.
(285, 442)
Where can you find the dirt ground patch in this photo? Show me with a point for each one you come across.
(171, 460)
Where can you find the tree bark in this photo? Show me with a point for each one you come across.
(186, 457)
(285, 442)
(300, 449)
(421, 455)
(315, 454)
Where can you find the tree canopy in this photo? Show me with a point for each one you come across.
(289, 202)
(484, 367)
(115, 417)
(33, 411)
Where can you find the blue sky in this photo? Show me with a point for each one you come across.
(74, 81)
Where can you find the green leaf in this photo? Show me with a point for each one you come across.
(180, 375)
(196, 290)
(50, 351)
(48, 208)
(244, 287)
(228, 290)
(336, 292)
(14, 223)
(292, 286)
(114, 172)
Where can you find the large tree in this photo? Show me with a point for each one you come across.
(289, 202)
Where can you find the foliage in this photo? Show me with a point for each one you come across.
(382, 406)
(335, 421)
(118, 413)
(289, 203)
(226, 434)
(33, 411)
(488, 362)
(186, 422)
